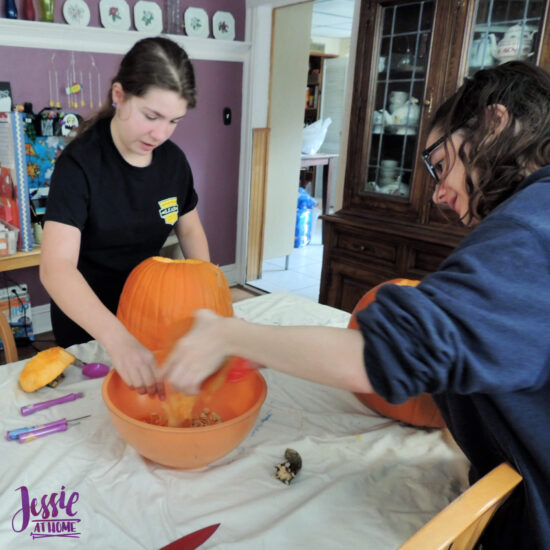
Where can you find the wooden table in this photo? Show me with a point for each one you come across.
(365, 482)
(326, 160)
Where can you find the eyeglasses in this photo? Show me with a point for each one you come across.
(427, 153)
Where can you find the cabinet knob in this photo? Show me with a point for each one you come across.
(365, 248)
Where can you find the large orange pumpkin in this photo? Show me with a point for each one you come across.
(161, 294)
(418, 411)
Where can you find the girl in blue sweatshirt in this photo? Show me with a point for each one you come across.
(476, 333)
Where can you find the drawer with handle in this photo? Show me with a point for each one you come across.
(368, 246)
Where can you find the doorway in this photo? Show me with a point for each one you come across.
(296, 266)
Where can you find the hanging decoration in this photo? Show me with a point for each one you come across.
(82, 102)
(96, 69)
(54, 84)
(51, 103)
(91, 103)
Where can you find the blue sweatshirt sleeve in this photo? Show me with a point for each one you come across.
(481, 324)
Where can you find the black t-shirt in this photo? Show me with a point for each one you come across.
(124, 212)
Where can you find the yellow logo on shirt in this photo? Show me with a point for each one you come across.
(168, 210)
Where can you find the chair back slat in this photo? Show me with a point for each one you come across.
(460, 524)
(8, 341)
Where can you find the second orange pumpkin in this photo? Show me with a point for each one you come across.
(418, 411)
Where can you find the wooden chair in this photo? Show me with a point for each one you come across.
(6, 335)
(460, 524)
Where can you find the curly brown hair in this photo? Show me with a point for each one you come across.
(500, 159)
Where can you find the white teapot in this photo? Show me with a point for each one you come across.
(515, 44)
(408, 113)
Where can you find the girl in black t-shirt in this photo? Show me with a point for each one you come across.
(117, 191)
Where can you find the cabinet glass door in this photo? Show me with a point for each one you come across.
(504, 30)
(400, 81)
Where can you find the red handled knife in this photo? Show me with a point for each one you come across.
(192, 540)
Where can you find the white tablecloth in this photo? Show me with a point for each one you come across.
(357, 488)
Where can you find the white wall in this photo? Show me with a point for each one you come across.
(290, 56)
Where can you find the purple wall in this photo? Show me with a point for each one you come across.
(212, 148)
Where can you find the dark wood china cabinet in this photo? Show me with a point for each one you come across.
(410, 56)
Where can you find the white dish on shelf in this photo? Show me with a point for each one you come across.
(148, 17)
(223, 26)
(401, 130)
(196, 22)
(115, 14)
(76, 12)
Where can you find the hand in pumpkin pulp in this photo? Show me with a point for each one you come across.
(136, 365)
(197, 355)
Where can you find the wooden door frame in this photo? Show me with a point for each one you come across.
(256, 214)
(260, 127)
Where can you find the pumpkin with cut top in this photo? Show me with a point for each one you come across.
(157, 305)
(161, 293)
(418, 411)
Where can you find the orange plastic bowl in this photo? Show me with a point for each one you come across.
(238, 404)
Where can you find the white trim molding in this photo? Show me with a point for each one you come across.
(41, 321)
(273, 3)
(232, 274)
(57, 36)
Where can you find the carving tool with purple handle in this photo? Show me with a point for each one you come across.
(30, 409)
(13, 435)
(47, 429)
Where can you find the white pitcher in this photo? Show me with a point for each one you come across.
(481, 51)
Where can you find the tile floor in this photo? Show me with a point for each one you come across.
(303, 276)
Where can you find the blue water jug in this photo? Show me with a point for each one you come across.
(304, 218)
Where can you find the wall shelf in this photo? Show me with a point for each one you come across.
(20, 260)
(57, 36)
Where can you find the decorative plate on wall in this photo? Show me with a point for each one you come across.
(114, 14)
(148, 17)
(76, 12)
(196, 22)
(223, 25)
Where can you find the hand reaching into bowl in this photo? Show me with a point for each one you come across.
(136, 365)
(197, 355)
